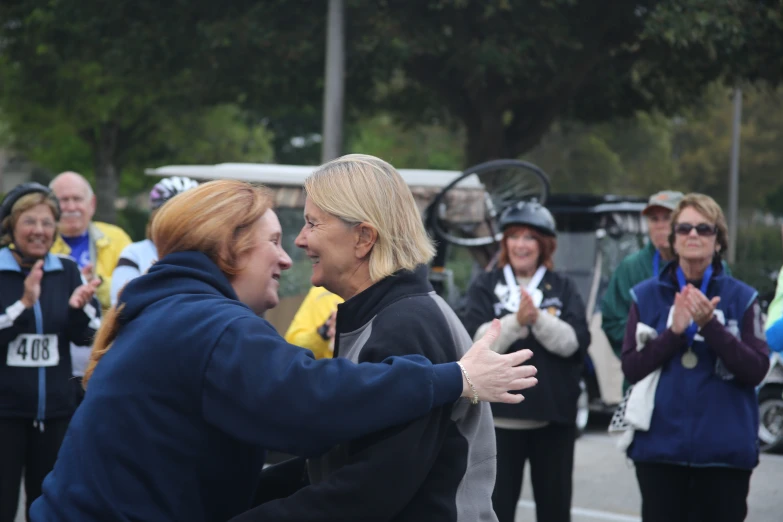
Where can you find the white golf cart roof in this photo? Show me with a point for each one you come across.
(293, 175)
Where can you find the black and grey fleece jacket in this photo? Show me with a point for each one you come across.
(440, 467)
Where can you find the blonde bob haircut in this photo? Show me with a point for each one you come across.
(216, 218)
(358, 188)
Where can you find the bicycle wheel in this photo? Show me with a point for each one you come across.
(465, 212)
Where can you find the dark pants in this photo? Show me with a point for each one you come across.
(78, 391)
(672, 493)
(24, 447)
(550, 451)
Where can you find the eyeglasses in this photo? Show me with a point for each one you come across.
(32, 223)
(703, 229)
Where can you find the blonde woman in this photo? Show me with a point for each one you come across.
(188, 387)
(365, 238)
(695, 461)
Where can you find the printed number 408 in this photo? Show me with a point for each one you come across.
(39, 349)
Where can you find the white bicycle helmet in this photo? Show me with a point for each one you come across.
(167, 188)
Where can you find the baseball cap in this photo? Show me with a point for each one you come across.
(668, 199)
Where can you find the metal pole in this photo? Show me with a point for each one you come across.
(734, 176)
(334, 88)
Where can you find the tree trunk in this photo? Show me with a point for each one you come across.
(106, 175)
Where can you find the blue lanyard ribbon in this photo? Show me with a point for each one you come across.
(656, 264)
(690, 332)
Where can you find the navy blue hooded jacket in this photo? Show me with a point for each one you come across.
(180, 410)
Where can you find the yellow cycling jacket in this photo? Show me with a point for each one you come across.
(312, 314)
(106, 244)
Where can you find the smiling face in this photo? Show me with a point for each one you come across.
(77, 203)
(692, 246)
(258, 282)
(34, 231)
(523, 250)
(330, 243)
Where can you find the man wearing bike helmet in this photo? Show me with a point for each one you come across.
(138, 257)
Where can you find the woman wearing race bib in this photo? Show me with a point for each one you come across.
(44, 308)
(539, 310)
(707, 338)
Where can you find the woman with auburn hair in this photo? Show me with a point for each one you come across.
(539, 310)
(188, 387)
(696, 335)
(365, 237)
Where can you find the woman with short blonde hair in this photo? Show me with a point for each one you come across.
(367, 242)
(359, 188)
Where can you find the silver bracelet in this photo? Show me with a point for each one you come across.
(475, 398)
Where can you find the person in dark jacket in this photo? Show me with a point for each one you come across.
(187, 387)
(539, 310)
(368, 245)
(45, 307)
(707, 343)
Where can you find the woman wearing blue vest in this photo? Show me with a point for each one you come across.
(704, 333)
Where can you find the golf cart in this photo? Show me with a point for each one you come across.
(594, 234)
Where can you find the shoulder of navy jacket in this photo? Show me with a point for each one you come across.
(665, 278)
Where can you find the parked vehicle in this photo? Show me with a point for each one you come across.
(770, 393)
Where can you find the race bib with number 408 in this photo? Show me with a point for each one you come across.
(33, 351)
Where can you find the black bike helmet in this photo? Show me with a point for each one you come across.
(167, 188)
(20, 191)
(530, 214)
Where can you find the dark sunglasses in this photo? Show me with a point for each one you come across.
(703, 229)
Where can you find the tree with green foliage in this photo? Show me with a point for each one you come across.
(112, 75)
(508, 69)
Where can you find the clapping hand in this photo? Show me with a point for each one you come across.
(681, 317)
(32, 285)
(700, 307)
(82, 295)
(528, 311)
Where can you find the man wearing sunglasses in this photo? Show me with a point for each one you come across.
(639, 266)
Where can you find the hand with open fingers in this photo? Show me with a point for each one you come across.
(528, 311)
(82, 295)
(681, 317)
(32, 285)
(493, 375)
(700, 307)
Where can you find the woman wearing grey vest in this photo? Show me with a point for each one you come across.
(695, 344)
